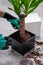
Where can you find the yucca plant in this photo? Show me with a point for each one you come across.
(22, 8)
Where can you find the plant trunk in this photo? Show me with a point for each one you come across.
(23, 36)
(22, 28)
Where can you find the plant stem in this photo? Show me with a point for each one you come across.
(23, 35)
(22, 28)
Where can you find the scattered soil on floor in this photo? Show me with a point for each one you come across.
(36, 55)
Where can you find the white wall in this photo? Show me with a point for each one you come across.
(39, 10)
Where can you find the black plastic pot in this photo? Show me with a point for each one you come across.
(25, 47)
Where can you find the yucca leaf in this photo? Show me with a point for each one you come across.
(16, 4)
(26, 4)
(17, 7)
(34, 5)
(32, 2)
(30, 5)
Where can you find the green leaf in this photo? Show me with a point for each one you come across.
(16, 4)
(26, 4)
(34, 5)
(30, 5)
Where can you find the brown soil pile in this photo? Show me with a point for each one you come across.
(36, 55)
(25, 38)
(39, 43)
